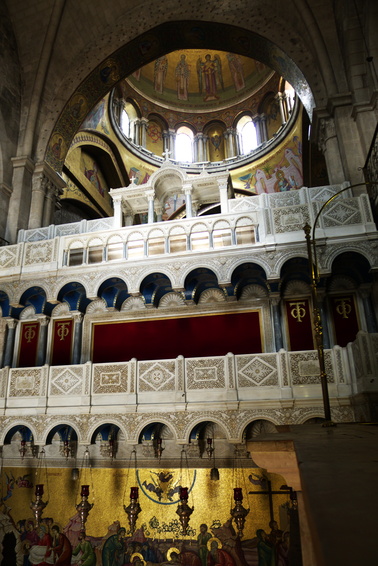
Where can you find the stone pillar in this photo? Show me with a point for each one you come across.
(143, 132)
(187, 188)
(371, 322)
(264, 129)
(200, 149)
(223, 195)
(78, 328)
(151, 197)
(282, 108)
(47, 185)
(19, 203)
(276, 316)
(230, 142)
(166, 146)
(9, 345)
(205, 144)
(37, 200)
(5, 194)
(118, 216)
(42, 340)
(257, 122)
(159, 212)
(51, 197)
(137, 131)
(329, 145)
(172, 144)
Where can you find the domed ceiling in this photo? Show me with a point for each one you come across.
(196, 80)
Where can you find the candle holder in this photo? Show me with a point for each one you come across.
(84, 506)
(239, 513)
(133, 509)
(183, 510)
(38, 505)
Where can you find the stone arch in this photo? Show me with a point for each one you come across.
(226, 37)
(203, 419)
(104, 421)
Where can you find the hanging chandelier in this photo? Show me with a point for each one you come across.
(133, 509)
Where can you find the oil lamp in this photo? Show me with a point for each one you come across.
(38, 505)
(239, 513)
(183, 510)
(133, 509)
(84, 506)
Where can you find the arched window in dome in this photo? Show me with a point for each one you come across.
(125, 123)
(184, 145)
(247, 135)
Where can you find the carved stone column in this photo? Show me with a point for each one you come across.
(223, 194)
(257, 122)
(118, 216)
(371, 322)
(19, 203)
(42, 339)
(137, 131)
(151, 197)
(143, 132)
(264, 128)
(187, 188)
(47, 186)
(172, 144)
(276, 316)
(282, 107)
(329, 145)
(78, 329)
(9, 345)
(230, 142)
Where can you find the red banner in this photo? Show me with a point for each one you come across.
(345, 318)
(299, 325)
(62, 341)
(27, 355)
(196, 336)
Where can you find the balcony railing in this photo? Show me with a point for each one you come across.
(250, 379)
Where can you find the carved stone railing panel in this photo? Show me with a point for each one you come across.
(256, 370)
(40, 252)
(28, 382)
(253, 378)
(110, 379)
(10, 256)
(3, 382)
(70, 381)
(159, 375)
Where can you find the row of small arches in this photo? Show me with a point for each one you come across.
(248, 281)
(153, 433)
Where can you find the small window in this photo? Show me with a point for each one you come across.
(184, 145)
(95, 254)
(247, 135)
(125, 123)
(177, 243)
(221, 237)
(245, 235)
(115, 251)
(199, 241)
(76, 257)
(156, 246)
(135, 249)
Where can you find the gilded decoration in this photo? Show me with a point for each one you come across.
(288, 220)
(257, 371)
(205, 374)
(304, 367)
(341, 213)
(156, 376)
(9, 256)
(40, 252)
(110, 378)
(68, 381)
(28, 382)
